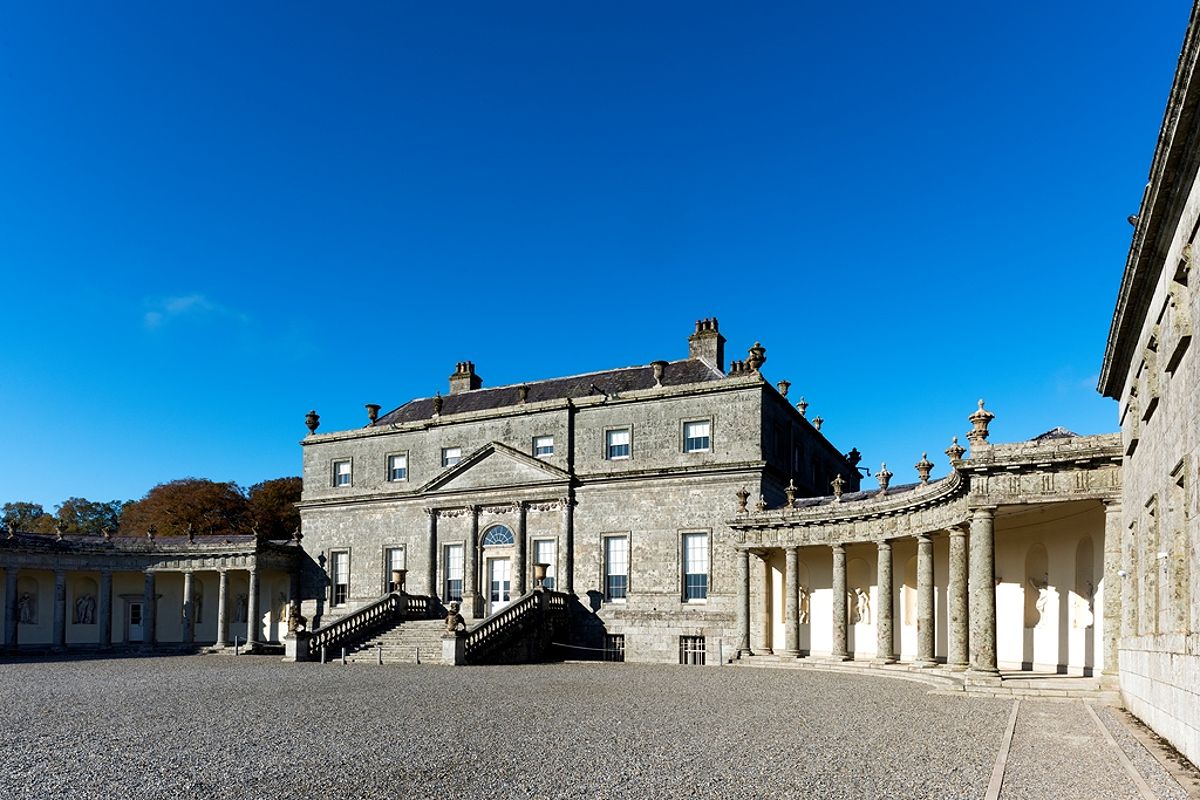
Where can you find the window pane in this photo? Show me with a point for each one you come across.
(398, 468)
(695, 566)
(616, 567)
(618, 437)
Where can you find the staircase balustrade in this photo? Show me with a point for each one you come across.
(387, 610)
(538, 608)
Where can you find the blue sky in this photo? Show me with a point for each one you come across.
(215, 217)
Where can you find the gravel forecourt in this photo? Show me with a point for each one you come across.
(253, 727)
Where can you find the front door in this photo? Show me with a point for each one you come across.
(499, 583)
(134, 621)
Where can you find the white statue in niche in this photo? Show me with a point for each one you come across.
(803, 605)
(85, 610)
(862, 605)
(27, 608)
(1084, 616)
(241, 608)
(281, 607)
(1045, 593)
(197, 607)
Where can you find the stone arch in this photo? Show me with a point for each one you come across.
(1037, 584)
(497, 535)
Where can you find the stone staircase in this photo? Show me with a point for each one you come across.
(412, 642)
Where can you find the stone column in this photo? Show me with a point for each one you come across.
(471, 567)
(841, 617)
(743, 602)
(518, 583)
(569, 544)
(189, 634)
(11, 617)
(885, 648)
(149, 612)
(222, 609)
(1112, 585)
(104, 610)
(983, 590)
(431, 573)
(925, 632)
(956, 600)
(253, 617)
(791, 589)
(759, 646)
(60, 610)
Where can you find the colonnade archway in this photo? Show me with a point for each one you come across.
(1048, 588)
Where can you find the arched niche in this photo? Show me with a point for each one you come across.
(28, 600)
(83, 602)
(858, 584)
(1036, 585)
(1083, 596)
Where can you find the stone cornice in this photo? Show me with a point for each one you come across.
(727, 384)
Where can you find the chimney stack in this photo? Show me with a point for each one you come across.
(464, 378)
(708, 344)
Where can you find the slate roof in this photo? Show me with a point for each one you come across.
(1055, 433)
(613, 382)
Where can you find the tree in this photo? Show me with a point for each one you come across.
(80, 515)
(208, 507)
(273, 506)
(27, 517)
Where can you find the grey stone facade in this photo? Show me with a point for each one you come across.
(576, 497)
(1150, 369)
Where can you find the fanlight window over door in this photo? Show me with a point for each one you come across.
(498, 534)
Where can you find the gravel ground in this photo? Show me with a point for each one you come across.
(222, 727)
(1058, 745)
(1160, 782)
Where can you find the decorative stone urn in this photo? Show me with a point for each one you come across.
(398, 576)
(313, 420)
(539, 575)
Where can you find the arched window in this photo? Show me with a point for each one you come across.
(498, 534)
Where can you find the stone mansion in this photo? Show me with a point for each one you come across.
(690, 511)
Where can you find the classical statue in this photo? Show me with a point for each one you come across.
(85, 610)
(1044, 591)
(454, 620)
(27, 608)
(294, 620)
(862, 605)
(1084, 617)
(241, 608)
(803, 605)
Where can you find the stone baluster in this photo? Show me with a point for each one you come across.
(253, 615)
(104, 610)
(60, 610)
(11, 617)
(841, 617)
(925, 631)
(956, 600)
(885, 648)
(743, 602)
(189, 634)
(1112, 586)
(518, 578)
(222, 609)
(149, 611)
(791, 590)
(983, 590)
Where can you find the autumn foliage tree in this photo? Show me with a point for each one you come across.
(210, 507)
(273, 506)
(203, 506)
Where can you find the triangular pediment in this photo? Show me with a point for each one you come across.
(492, 466)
